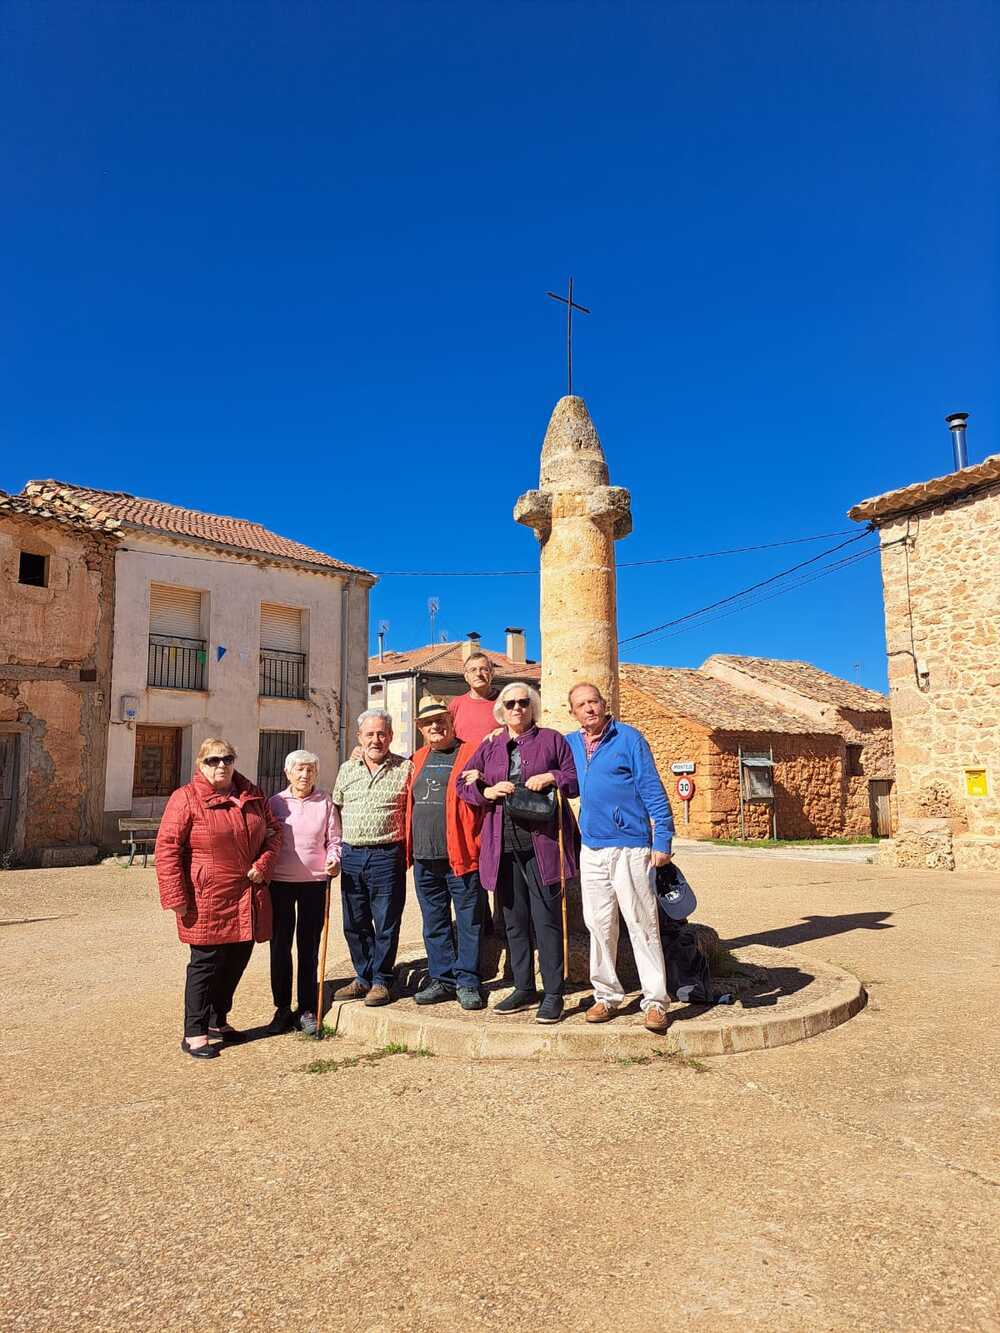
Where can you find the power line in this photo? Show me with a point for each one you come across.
(768, 597)
(736, 596)
(626, 564)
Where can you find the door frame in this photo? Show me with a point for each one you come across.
(178, 741)
(873, 805)
(21, 795)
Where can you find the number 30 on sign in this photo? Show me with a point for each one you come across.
(685, 788)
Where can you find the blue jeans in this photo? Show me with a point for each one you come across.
(373, 894)
(437, 888)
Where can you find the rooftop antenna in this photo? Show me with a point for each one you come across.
(433, 607)
(383, 630)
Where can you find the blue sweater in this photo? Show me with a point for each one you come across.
(621, 791)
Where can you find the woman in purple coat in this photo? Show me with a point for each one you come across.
(519, 861)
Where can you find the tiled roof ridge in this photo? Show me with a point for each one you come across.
(928, 494)
(738, 710)
(822, 688)
(181, 523)
(50, 505)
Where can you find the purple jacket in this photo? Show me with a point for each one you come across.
(542, 751)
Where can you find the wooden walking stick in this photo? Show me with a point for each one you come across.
(562, 886)
(321, 979)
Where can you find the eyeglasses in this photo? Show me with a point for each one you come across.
(517, 703)
(214, 760)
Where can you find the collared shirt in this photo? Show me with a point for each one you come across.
(590, 743)
(373, 805)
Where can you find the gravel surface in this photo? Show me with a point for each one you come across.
(846, 1182)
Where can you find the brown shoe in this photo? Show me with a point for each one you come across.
(378, 995)
(599, 1012)
(656, 1019)
(352, 991)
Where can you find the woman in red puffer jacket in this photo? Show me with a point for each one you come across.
(215, 851)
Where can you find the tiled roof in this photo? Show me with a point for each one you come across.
(928, 493)
(714, 703)
(58, 511)
(173, 520)
(806, 679)
(445, 659)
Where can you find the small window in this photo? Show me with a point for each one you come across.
(33, 570)
(855, 768)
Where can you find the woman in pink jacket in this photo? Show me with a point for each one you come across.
(310, 853)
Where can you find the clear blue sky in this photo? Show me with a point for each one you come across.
(288, 261)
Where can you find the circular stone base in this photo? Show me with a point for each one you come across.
(783, 997)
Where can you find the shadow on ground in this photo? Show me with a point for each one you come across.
(813, 928)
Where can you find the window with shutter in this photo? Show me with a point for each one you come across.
(281, 628)
(174, 611)
(177, 652)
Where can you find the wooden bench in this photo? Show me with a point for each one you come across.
(141, 833)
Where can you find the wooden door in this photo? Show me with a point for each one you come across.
(10, 759)
(878, 800)
(157, 761)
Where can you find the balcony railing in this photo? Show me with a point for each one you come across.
(282, 675)
(176, 663)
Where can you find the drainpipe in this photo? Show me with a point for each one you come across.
(345, 638)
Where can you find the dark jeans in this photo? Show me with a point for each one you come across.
(531, 908)
(309, 897)
(437, 888)
(213, 974)
(373, 894)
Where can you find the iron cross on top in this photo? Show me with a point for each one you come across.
(570, 305)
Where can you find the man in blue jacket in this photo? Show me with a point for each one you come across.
(627, 829)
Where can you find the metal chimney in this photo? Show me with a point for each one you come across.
(956, 424)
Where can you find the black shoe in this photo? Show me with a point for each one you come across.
(283, 1020)
(469, 997)
(516, 1001)
(206, 1052)
(226, 1035)
(435, 992)
(550, 1009)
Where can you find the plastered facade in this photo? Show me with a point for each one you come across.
(50, 637)
(335, 627)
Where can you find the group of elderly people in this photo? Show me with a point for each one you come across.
(483, 805)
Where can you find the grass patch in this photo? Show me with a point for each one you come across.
(793, 842)
(627, 1061)
(679, 1058)
(352, 1061)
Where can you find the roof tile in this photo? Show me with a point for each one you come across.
(807, 680)
(446, 659)
(714, 703)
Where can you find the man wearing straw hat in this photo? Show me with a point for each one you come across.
(626, 830)
(442, 844)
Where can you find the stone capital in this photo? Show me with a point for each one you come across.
(534, 510)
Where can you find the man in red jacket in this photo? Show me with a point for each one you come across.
(442, 844)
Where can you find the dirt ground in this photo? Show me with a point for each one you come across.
(846, 1182)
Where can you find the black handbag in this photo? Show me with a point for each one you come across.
(533, 808)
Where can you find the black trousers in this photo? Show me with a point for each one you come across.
(531, 908)
(213, 974)
(306, 901)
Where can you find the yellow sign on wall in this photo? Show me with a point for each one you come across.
(976, 782)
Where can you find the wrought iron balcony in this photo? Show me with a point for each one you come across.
(176, 663)
(282, 675)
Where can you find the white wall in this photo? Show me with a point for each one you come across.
(232, 591)
(398, 699)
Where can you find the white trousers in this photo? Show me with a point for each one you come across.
(613, 878)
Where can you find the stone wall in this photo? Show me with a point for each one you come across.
(55, 668)
(807, 786)
(873, 732)
(941, 582)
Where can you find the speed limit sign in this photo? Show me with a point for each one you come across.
(685, 788)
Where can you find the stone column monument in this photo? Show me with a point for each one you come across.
(577, 517)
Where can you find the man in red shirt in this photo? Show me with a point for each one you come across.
(472, 713)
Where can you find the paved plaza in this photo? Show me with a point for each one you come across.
(849, 1181)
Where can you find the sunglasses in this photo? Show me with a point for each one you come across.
(517, 703)
(214, 760)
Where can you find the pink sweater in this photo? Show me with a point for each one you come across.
(312, 835)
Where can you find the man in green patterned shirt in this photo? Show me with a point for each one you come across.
(371, 794)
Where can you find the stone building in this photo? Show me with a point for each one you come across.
(220, 628)
(397, 681)
(766, 758)
(940, 554)
(56, 616)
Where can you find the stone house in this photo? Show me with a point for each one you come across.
(860, 716)
(397, 681)
(220, 628)
(940, 552)
(56, 615)
(761, 765)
